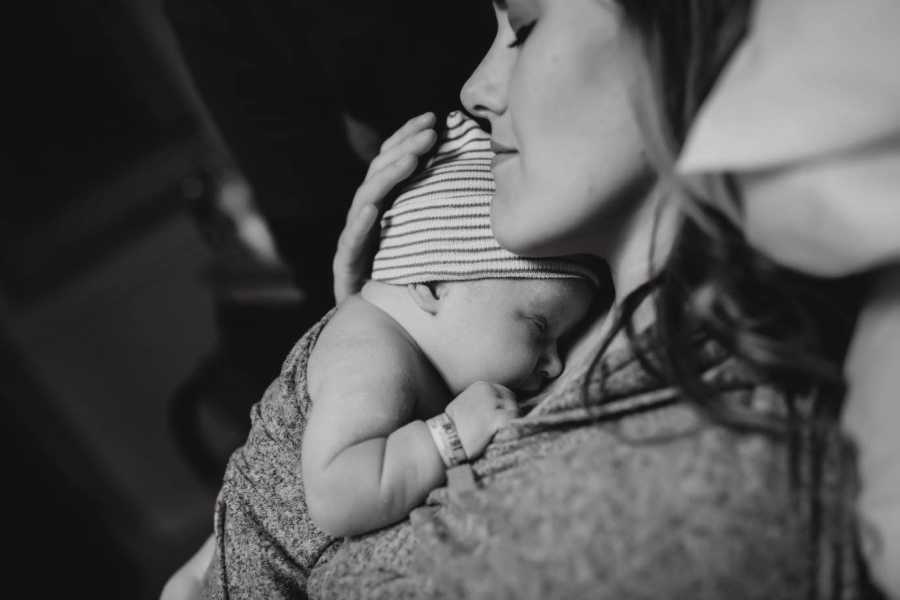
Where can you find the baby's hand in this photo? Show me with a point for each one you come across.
(479, 411)
(397, 160)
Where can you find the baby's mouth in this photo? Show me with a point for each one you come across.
(529, 389)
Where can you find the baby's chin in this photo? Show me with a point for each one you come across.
(521, 390)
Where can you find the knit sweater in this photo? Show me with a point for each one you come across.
(611, 487)
(265, 541)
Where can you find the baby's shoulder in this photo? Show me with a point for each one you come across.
(360, 327)
(362, 342)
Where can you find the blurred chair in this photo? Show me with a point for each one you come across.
(101, 313)
(260, 313)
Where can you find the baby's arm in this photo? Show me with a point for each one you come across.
(361, 472)
(365, 463)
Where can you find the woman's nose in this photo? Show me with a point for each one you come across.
(484, 94)
(551, 365)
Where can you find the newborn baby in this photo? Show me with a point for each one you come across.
(406, 379)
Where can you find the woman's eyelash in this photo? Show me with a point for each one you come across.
(522, 34)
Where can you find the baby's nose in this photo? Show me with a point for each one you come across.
(551, 365)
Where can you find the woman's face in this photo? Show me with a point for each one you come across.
(555, 87)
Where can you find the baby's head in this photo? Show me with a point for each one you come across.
(505, 331)
(494, 316)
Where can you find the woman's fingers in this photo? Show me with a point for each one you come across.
(409, 128)
(353, 255)
(414, 145)
(397, 160)
(351, 258)
(377, 185)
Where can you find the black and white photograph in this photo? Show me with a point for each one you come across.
(483, 299)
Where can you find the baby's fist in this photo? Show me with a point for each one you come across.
(479, 411)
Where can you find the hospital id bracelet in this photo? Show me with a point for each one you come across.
(446, 438)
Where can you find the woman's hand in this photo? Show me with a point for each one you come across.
(478, 412)
(397, 160)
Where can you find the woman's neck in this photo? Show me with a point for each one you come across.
(639, 250)
(643, 244)
(645, 235)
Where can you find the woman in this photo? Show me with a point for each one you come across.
(559, 105)
(690, 449)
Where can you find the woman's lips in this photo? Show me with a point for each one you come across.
(501, 158)
(502, 153)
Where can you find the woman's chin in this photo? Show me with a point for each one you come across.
(508, 227)
(520, 234)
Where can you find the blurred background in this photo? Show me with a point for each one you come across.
(180, 172)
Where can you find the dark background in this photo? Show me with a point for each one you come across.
(136, 327)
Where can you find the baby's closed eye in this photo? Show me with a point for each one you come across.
(540, 323)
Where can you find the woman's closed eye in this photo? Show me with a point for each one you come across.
(521, 34)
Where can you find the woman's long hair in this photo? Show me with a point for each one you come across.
(791, 329)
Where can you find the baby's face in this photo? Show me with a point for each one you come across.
(508, 331)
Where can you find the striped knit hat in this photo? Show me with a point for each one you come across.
(439, 227)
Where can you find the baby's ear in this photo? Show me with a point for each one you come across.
(427, 296)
